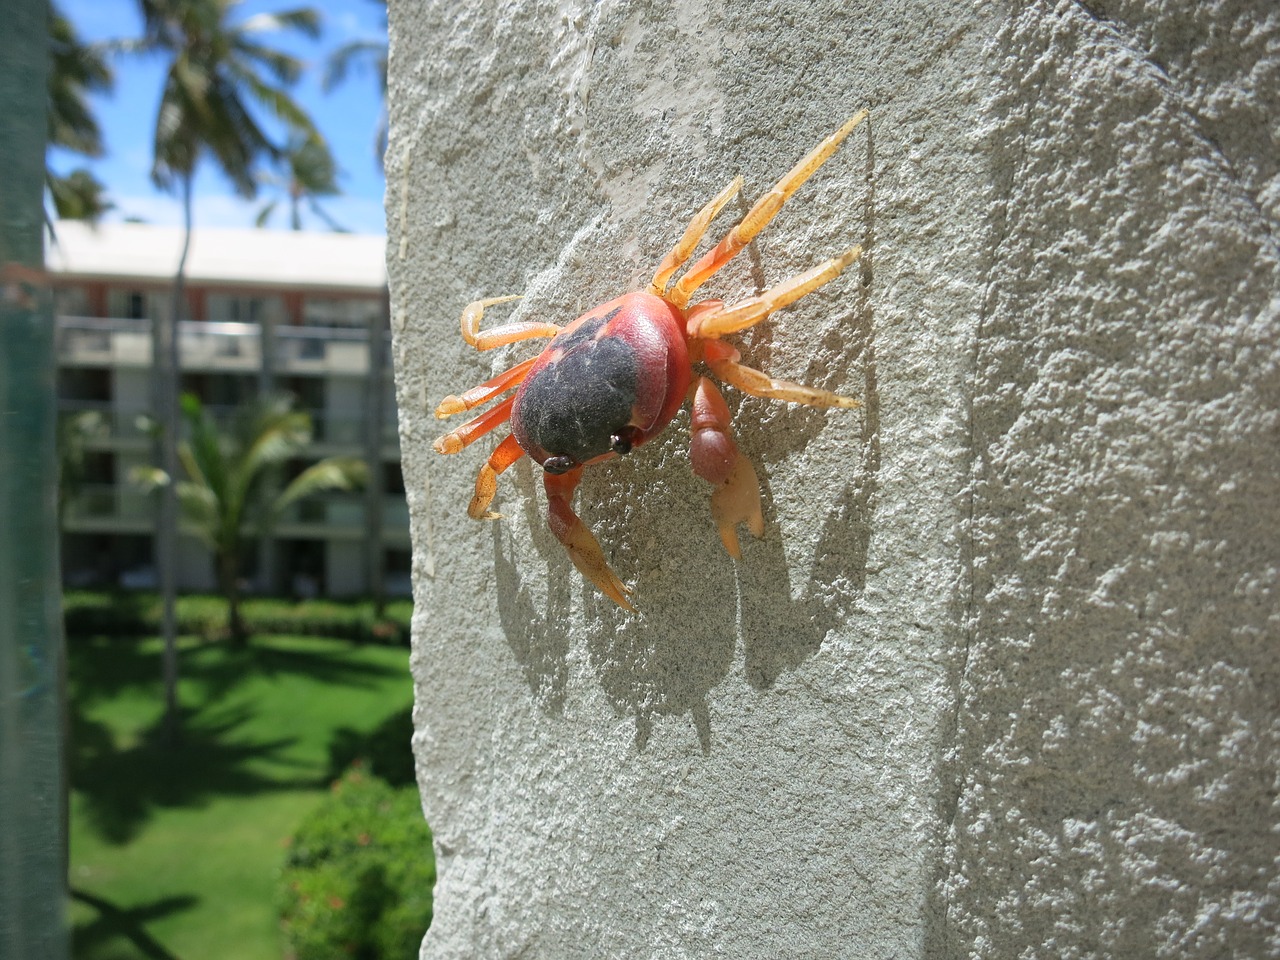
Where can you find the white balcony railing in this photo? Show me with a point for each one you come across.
(224, 346)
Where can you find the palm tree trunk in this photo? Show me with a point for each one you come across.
(169, 370)
(229, 583)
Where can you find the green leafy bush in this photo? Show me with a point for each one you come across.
(100, 613)
(359, 874)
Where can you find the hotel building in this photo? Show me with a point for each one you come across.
(300, 312)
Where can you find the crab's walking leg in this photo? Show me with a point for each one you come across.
(692, 237)
(723, 360)
(758, 217)
(485, 392)
(499, 336)
(582, 547)
(506, 453)
(716, 459)
(473, 430)
(751, 311)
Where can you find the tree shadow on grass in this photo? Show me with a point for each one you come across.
(385, 751)
(100, 667)
(113, 924)
(122, 787)
(103, 667)
(322, 661)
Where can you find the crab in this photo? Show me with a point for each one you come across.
(614, 378)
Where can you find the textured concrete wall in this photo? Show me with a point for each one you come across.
(994, 679)
(1119, 744)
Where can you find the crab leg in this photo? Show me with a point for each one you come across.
(716, 459)
(485, 392)
(473, 430)
(582, 547)
(506, 453)
(499, 336)
(693, 235)
(758, 217)
(751, 311)
(723, 359)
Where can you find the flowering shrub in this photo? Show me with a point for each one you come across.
(358, 876)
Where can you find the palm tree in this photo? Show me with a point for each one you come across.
(75, 71)
(218, 71)
(227, 490)
(361, 55)
(78, 196)
(308, 174)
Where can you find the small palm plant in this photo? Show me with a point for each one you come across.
(227, 493)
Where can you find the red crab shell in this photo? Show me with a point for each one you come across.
(611, 380)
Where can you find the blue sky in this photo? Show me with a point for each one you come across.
(348, 117)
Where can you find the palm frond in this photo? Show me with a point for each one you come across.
(175, 146)
(78, 196)
(358, 55)
(234, 137)
(215, 75)
(204, 456)
(312, 167)
(277, 441)
(307, 172)
(75, 70)
(284, 68)
(264, 214)
(323, 214)
(304, 19)
(275, 100)
(270, 433)
(334, 473)
(202, 511)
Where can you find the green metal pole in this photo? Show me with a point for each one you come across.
(33, 893)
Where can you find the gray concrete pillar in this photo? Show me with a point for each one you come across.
(999, 679)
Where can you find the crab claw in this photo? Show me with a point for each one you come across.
(582, 547)
(717, 460)
(738, 501)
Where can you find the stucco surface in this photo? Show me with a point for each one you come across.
(1118, 744)
(995, 681)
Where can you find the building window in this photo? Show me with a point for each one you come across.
(341, 312)
(235, 308)
(133, 304)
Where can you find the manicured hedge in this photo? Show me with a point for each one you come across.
(358, 876)
(92, 613)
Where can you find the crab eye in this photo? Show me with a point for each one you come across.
(622, 441)
(558, 464)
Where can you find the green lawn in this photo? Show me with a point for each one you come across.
(175, 851)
